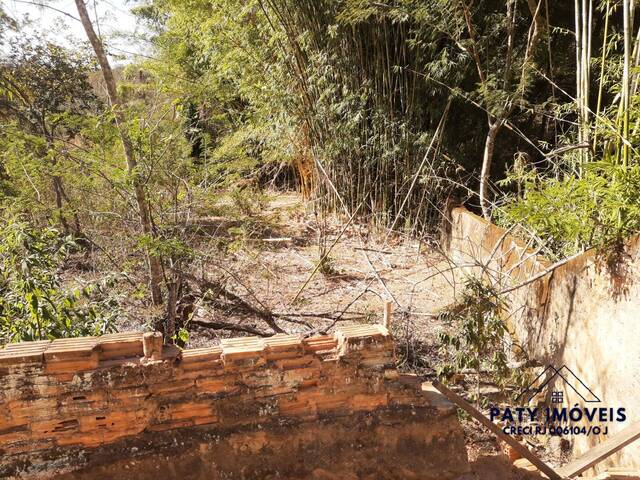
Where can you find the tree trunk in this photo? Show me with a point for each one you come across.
(61, 196)
(155, 267)
(172, 301)
(485, 174)
(57, 190)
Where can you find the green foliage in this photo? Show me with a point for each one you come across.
(587, 197)
(350, 93)
(46, 101)
(33, 303)
(573, 213)
(166, 247)
(218, 60)
(475, 337)
(181, 338)
(356, 87)
(45, 87)
(290, 82)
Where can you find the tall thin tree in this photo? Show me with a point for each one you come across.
(144, 212)
(496, 120)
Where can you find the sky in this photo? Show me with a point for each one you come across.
(115, 22)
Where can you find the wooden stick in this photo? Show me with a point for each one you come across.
(386, 319)
(602, 451)
(517, 446)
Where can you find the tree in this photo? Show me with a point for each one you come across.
(504, 78)
(144, 211)
(46, 92)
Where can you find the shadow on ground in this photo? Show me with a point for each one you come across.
(498, 467)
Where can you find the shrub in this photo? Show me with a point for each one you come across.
(33, 303)
(573, 213)
(475, 337)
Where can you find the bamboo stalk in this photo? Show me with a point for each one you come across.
(626, 10)
(578, 36)
(605, 50)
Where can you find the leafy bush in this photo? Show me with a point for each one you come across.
(569, 214)
(33, 303)
(475, 335)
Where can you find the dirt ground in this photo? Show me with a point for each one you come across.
(498, 467)
(273, 270)
(272, 267)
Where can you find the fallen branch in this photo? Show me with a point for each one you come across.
(209, 285)
(328, 315)
(229, 326)
(386, 252)
(540, 275)
(275, 240)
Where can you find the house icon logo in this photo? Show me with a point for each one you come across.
(550, 376)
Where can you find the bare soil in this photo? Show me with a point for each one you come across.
(274, 263)
(270, 262)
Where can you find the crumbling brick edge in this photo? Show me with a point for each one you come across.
(73, 404)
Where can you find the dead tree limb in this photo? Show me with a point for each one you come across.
(212, 286)
(538, 276)
(230, 326)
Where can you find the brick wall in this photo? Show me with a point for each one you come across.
(65, 403)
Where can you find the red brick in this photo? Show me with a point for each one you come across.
(94, 391)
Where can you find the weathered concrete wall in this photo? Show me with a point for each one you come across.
(584, 314)
(281, 407)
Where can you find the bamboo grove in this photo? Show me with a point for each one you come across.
(392, 107)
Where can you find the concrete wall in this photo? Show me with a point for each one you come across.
(280, 407)
(585, 314)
